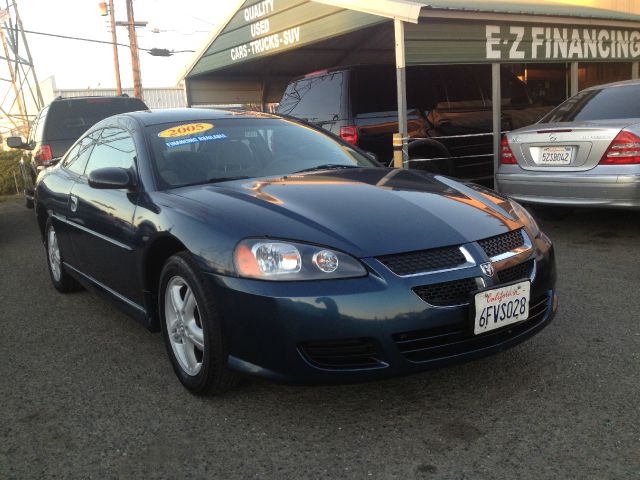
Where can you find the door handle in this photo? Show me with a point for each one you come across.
(73, 203)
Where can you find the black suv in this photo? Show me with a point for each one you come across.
(58, 126)
(449, 112)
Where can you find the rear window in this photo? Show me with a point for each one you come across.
(67, 120)
(600, 104)
(316, 99)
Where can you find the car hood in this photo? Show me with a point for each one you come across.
(364, 211)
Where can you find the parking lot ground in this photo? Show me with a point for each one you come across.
(85, 392)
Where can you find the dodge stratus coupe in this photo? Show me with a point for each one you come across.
(261, 245)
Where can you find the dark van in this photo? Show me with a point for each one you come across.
(449, 112)
(58, 126)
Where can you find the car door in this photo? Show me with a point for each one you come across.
(59, 188)
(104, 239)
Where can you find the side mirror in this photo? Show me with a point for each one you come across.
(111, 178)
(17, 142)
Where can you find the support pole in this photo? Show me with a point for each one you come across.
(263, 95)
(635, 70)
(135, 57)
(574, 78)
(401, 74)
(496, 100)
(114, 40)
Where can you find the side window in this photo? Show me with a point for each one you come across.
(461, 86)
(39, 127)
(32, 130)
(374, 90)
(76, 161)
(317, 99)
(424, 89)
(514, 91)
(114, 149)
(71, 155)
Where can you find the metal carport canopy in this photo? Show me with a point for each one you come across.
(265, 43)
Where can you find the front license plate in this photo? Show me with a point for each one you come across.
(555, 156)
(502, 306)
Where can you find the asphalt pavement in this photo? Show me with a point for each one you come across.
(86, 392)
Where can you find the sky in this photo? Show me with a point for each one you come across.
(181, 25)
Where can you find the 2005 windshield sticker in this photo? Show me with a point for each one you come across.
(190, 131)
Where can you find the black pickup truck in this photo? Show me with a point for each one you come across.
(450, 115)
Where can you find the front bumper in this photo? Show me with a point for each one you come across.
(277, 330)
(603, 186)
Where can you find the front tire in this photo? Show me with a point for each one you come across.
(192, 329)
(61, 280)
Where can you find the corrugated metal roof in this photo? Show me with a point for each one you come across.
(525, 7)
(153, 97)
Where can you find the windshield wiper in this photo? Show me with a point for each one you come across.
(327, 166)
(214, 180)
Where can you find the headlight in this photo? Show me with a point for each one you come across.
(525, 217)
(286, 261)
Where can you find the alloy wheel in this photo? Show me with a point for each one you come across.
(184, 325)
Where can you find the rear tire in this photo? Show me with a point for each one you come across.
(192, 329)
(61, 280)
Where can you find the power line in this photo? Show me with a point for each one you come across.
(68, 37)
(162, 52)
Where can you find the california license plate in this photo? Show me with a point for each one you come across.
(501, 306)
(555, 156)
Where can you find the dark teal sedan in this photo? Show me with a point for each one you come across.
(264, 246)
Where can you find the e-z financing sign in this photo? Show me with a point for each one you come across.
(260, 28)
(542, 43)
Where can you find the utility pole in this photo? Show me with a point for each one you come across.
(135, 57)
(114, 40)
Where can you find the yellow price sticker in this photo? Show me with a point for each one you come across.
(184, 130)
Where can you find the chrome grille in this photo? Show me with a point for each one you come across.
(424, 261)
(494, 246)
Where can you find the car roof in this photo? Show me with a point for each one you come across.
(90, 97)
(624, 83)
(168, 115)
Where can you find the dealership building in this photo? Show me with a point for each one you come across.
(557, 48)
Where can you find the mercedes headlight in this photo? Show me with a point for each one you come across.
(289, 261)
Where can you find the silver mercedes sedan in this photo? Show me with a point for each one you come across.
(584, 153)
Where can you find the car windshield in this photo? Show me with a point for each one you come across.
(598, 104)
(208, 151)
